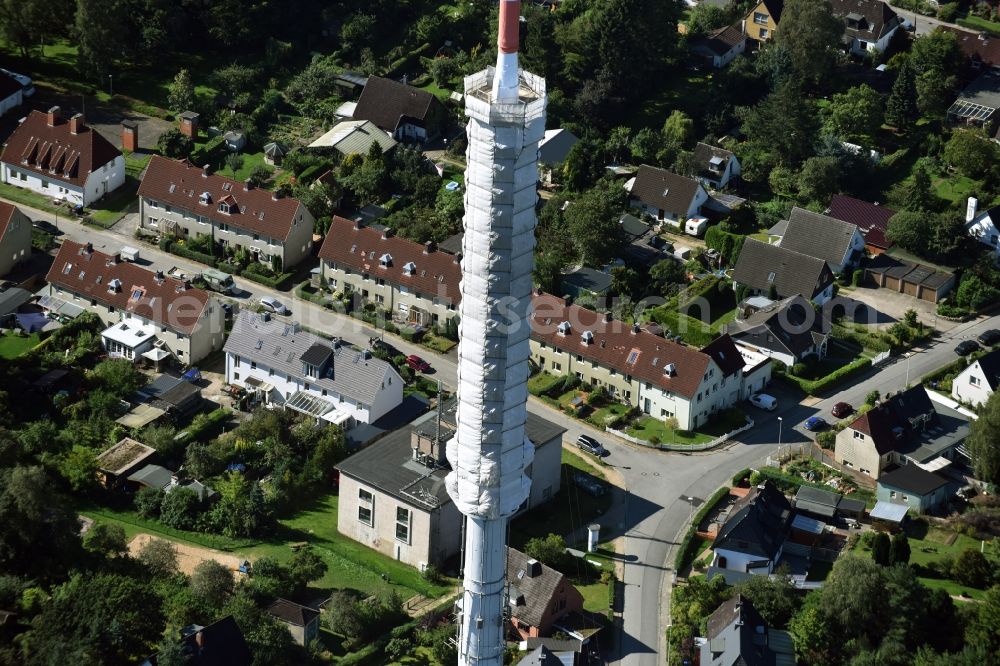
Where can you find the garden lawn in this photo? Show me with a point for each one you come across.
(955, 189)
(113, 207)
(604, 415)
(542, 382)
(250, 162)
(648, 427)
(28, 198)
(437, 343)
(12, 346)
(978, 23)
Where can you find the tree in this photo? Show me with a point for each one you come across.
(101, 36)
(776, 599)
(107, 540)
(810, 33)
(211, 583)
(911, 230)
(971, 153)
(667, 275)
(974, 293)
(97, 619)
(984, 627)
(368, 181)
(983, 439)
(678, 129)
(305, 567)
(342, 615)
(147, 502)
(901, 108)
(549, 550)
(624, 281)
(240, 509)
(180, 92)
(856, 114)
(882, 549)
(269, 641)
(119, 376)
(592, 222)
(26, 24)
(180, 508)
(160, 557)
(819, 179)
(235, 162)
(918, 195)
(899, 551)
(811, 630)
(872, 397)
(705, 17)
(973, 569)
(783, 125)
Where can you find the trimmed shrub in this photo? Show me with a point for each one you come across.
(687, 549)
(858, 277)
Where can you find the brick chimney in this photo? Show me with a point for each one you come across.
(52, 116)
(130, 135)
(204, 170)
(247, 185)
(189, 124)
(76, 123)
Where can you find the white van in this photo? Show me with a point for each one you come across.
(764, 401)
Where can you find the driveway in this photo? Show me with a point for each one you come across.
(887, 307)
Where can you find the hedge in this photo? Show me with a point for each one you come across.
(741, 476)
(687, 550)
(204, 423)
(729, 245)
(209, 153)
(265, 280)
(815, 386)
(194, 255)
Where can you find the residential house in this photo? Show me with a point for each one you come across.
(752, 538)
(178, 198)
(905, 428)
(173, 395)
(147, 313)
(736, 635)
(922, 282)
(645, 247)
(666, 196)
(761, 21)
(11, 93)
(921, 491)
(658, 376)
(983, 226)
(716, 167)
(539, 596)
(15, 237)
(405, 112)
(218, 644)
(416, 283)
(302, 621)
(975, 384)
(328, 380)
(355, 137)
(838, 243)
(720, 46)
(393, 497)
(555, 146)
(779, 272)
(977, 104)
(543, 656)
(117, 463)
(161, 478)
(871, 219)
(981, 48)
(868, 24)
(61, 159)
(585, 281)
(788, 331)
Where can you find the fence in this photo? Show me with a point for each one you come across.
(704, 446)
(881, 357)
(817, 453)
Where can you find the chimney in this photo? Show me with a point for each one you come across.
(52, 116)
(247, 185)
(607, 317)
(76, 123)
(458, 257)
(568, 299)
(534, 569)
(970, 209)
(130, 136)
(204, 170)
(189, 124)
(387, 233)
(114, 259)
(635, 329)
(357, 223)
(429, 247)
(159, 277)
(88, 248)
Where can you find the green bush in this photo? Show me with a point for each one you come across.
(815, 386)
(858, 277)
(688, 547)
(183, 251)
(204, 425)
(741, 476)
(273, 282)
(210, 153)
(952, 311)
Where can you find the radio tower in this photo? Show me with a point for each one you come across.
(489, 453)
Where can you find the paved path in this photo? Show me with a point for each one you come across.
(653, 510)
(925, 24)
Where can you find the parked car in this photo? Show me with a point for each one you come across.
(842, 409)
(47, 227)
(274, 305)
(815, 423)
(591, 445)
(966, 347)
(764, 401)
(417, 363)
(589, 484)
(989, 338)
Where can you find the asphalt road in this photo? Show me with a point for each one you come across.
(924, 24)
(656, 508)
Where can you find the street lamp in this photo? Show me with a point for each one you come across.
(780, 420)
(111, 85)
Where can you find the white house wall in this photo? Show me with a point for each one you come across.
(963, 390)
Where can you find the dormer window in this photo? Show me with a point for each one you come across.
(114, 286)
(205, 198)
(670, 370)
(564, 328)
(226, 208)
(587, 337)
(409, 268)
(716, 164)
(385, 260)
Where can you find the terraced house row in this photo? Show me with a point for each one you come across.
(419, 284)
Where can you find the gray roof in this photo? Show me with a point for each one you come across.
(13, 298)
(736, 635)
(280, 346)
(354, 137)
(990, 365)
(778, 229)
(912, 479)
(662, 189)
(819, 236)
(794, 272)
(791, 325)
(153, 476)
(158, 387)
(540, 656)
(718, 42)
(633, 227)
(759, 524)
(292, 613)
(979, 100)
(703, 154)
(530, 595)
(816, 501)
(587, 279)
(388, 463)
(874, 18)
(556, 145)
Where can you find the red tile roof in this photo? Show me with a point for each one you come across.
(872, 220)
(181, 184)
(433, 273)
(616, 345)
(91, 274)
(54, 152)
(6, 215)
(977, 46)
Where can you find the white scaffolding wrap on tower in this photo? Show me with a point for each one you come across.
(489, 452)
